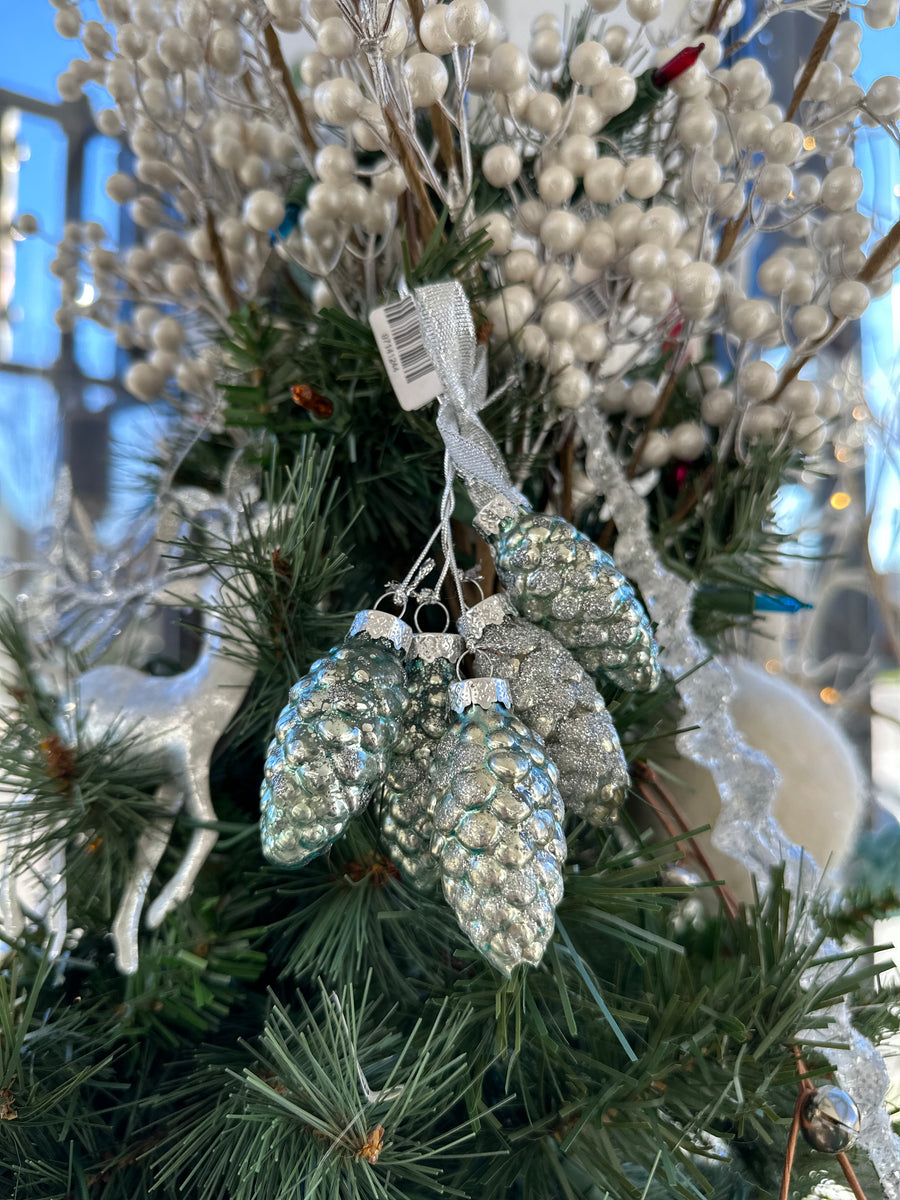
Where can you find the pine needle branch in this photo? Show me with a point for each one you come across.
(334, 1097)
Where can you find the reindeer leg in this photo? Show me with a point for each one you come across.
(57, 916)
(47, 905)
(12, 919)
(150, 849)
(198, 805)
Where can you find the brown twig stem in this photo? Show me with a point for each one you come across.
(247, 81)
(791, 1146)
(605, 540)
(654, 419)
(850, 1175)
(221, 263)
(439, 121)
(648, 779)
(880, 258)
(806, 1086)
(730, 231)
(692, 497)
(278, 62)
(816, 54)
(470, 545)
(874, 265)
(659, 812)
(790, 373)
(427, 221)
(715, 16)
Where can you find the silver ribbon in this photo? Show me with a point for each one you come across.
(461, 364)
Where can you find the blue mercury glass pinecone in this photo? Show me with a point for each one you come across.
(406, 820)
(559, 579)
(330, 749)
(557, 699)
(498, 835)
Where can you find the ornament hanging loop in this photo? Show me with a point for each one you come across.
(468, 577)
(428, 604)
(484, 691)
(465, 654)
(399, 601)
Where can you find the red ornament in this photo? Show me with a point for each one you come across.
(683, 61)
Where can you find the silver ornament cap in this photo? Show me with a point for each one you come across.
(430, 647)
(480, 616)
(830, 1120)
(484, 692)
(381, 625)
(487, 520)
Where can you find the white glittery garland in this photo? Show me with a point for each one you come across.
(745, 779)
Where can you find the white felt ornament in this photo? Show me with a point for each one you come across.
(820, 799)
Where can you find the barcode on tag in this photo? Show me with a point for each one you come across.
(404, 354)
(592, 303)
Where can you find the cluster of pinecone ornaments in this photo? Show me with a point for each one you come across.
(472, 793)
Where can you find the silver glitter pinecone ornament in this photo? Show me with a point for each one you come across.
(497, 827)
(557, 699)
(558, 578)
(333, 739)
(830, 1120)
(406, 819)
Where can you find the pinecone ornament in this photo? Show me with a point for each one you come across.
(406, 820)
(333, 739)
(556, 699)
(497, 827)
(558, 578)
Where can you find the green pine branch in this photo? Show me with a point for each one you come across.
(279, 580)
(332, 1096)
(92, 798)
(49, 1062)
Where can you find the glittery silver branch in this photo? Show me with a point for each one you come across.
(745, 779)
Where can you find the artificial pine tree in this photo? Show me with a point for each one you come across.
(555, 245)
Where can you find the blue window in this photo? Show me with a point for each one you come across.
(60, 399)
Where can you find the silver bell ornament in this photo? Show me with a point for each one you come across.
(557, 699)
(498, 835)
(333, 739)
(406, 819)
(557, 578)
(830, 1120)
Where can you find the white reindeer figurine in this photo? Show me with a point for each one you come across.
(32, 889)
(175, 721)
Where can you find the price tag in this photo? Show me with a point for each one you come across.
(593, 303)
(404, 354)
